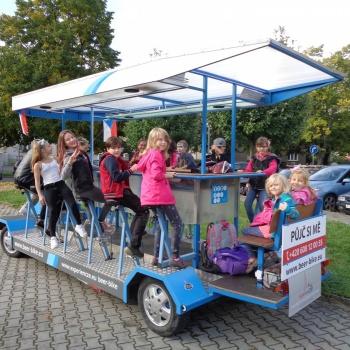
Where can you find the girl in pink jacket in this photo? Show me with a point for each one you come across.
(156, 191)
(302, 192)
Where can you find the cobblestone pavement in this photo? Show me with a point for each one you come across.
(43, 308)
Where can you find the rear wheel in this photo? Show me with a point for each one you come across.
(6, 246)
(158, 308)
(329, 202)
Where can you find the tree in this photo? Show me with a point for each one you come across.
(186, 127)
(282, 124)
(329, 124)
(50, 41)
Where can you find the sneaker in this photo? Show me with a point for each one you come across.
(40, 225)
(54, 242)
(252, 264)
(23, 210)
(177, 263)
(87, 222)
(80, 229)
(134, 252)
(107, 228)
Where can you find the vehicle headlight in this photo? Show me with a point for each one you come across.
(341, 198)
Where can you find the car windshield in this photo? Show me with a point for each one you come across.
(328, 174)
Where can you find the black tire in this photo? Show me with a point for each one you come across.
(5, 245)
(329, 202)
(158, 308)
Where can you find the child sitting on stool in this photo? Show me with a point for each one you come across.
(114, 175)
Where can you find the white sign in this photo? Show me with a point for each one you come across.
(303, 245)
(304, 288)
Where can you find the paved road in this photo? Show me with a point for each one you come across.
(43, 308)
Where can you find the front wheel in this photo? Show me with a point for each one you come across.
(329, 202)
(158, 308)
(6, 246)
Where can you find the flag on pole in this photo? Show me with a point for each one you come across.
(23, 120)
(109, 128)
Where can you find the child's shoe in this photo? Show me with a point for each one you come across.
(134, 252)
(54, 242)
(252, 263)
(24, 209)
(154, 261)
(80, 229)
(107, 228)
(177, 263)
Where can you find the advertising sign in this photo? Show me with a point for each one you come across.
(303, 245)
(304, 288)
(219, 194)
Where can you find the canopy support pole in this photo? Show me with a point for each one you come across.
(204, 124)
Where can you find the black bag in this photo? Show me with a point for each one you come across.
(204, 263)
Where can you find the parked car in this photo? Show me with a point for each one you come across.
(343, 202)
(311, 169)
(329, 184)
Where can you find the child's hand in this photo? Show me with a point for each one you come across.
(42, 199)
(170, 175)
(134, 168)
(283, 206)
(73, 157)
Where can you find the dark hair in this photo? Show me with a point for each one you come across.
(113, 141)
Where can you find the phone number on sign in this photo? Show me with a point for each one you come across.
(303, 249)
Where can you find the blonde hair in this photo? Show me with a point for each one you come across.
(153, 137)
(37, 155)
(281, 180)
(82, 141)
(304, 175)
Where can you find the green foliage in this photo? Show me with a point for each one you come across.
(282, 123)
(187, 127)
(329, 122)
(50, 41)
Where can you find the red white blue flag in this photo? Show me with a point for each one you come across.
(23, 120)
(109, 128)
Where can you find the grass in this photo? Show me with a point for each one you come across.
(7, 174)
(338, 244)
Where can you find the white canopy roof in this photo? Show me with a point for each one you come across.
(265, 73)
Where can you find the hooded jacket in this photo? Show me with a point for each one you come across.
(114, 175)
(155, 188)
(303, 196)
(24, 175)
(269, 166)
(80, 172)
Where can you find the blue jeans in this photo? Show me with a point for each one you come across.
(249, 200)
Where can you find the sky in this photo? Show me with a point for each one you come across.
(178, 27)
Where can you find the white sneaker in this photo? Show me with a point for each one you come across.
(80, 229)
(23, 210)
(54, 242)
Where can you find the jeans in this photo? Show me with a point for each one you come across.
(249, 200)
